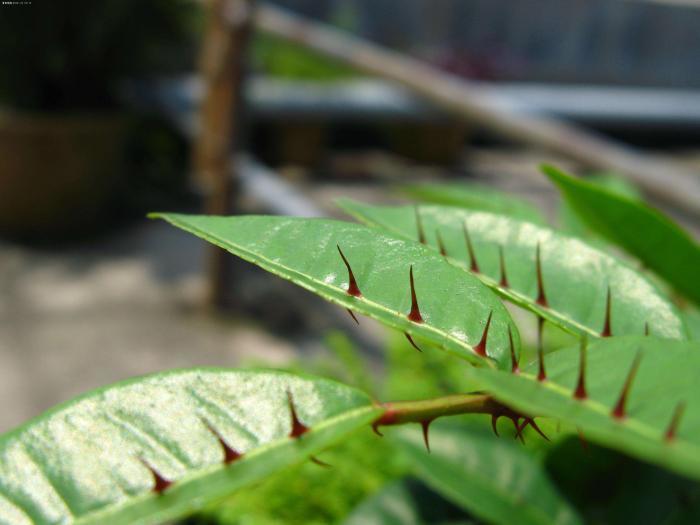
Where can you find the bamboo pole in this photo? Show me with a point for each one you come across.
(665, 180)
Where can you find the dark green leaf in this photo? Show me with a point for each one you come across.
(569, 221)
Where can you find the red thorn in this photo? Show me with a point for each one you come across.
(518, 434)
(531, 421)
(481, 347)
(353, 316)
(541, 374)
(580, 392)
(503, 283)
(298, 428)
(582, 440)
(419, 227)
(473, 265)
(498, 410)
(607, 327)
(670, 433)
(619, 411)
(425, 424)
(410, 340)
(230, 454)
(387, 418)
(541, 297)
(318, 462)
(414, 314)
(441, 245)
(515, 369)
(161, 483)
(352, 283)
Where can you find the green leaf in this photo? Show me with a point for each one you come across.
(666, 377)
(691, 317)
(476, 197)
(569, 221)
(392, 505)
(82, 463)
(495, 479)
(644, 232)
(575, 275)
(454, 306)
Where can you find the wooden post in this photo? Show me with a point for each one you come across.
(665, 180)
(222, 66)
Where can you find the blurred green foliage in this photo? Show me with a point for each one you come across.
(277, 58)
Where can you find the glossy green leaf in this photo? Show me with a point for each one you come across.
(666, 377)
(393, 505)
(82, 463)
(641, 230)
(497, 480)
(576, 276)
(476, 197)
(454, 306)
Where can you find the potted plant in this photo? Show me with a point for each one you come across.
(62, 127)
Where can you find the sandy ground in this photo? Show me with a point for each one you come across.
(76, 319)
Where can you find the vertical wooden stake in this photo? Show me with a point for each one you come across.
(222, 66)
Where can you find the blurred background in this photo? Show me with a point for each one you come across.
(112, 109)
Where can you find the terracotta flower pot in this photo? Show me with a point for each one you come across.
(57, 172)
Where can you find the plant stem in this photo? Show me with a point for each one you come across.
(400, 412)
